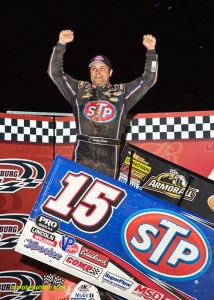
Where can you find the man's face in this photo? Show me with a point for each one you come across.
(100, 73)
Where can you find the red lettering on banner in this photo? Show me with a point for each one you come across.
(94, 257)
(44, 240)
(78, 263)
(145, 291)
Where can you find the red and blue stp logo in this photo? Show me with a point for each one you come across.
(166, 245)
(100, 111)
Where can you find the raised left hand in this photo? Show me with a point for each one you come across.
(149, 41)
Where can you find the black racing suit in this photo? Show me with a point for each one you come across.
(100, 112)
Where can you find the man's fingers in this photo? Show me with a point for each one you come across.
(149, 36)
(66, 36)
(67, 33)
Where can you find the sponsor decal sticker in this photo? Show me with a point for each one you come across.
(44, 236)
(82, 266)
(85, 291)
(53, 280)
(68, 244)
(116, 280)
(87, 95)
(171, 184)
(139, 171)
(166, 245)
(139, 165)
(47, 223)
(94, 257)
(154, 66)
(34, 245)
(100, 111)
(145, 292)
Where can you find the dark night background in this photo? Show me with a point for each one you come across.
(185, 43)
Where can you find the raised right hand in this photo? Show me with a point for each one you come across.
(66, 36)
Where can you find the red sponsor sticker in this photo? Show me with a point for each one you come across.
(44, 240)
(100, 111)
(94, 257)
(70, 248)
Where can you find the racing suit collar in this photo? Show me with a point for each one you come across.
(104, 87)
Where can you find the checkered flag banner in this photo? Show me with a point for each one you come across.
(54, 280)
(143, 129)
(94, 271)
(170, 128)
(58, 281)
(48, 279)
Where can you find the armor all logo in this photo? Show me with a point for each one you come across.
(171, 184)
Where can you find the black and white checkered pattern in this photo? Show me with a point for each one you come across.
(58, 281)
(143, 129)
(95, 272)
(54, 280)
(26, 130)
(171, 128)
(48, 278)
(65, 132)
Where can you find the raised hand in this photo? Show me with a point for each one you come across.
(66, 36)
(149, 41)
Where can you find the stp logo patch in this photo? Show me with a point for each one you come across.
(166, 245)
(100, 111)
